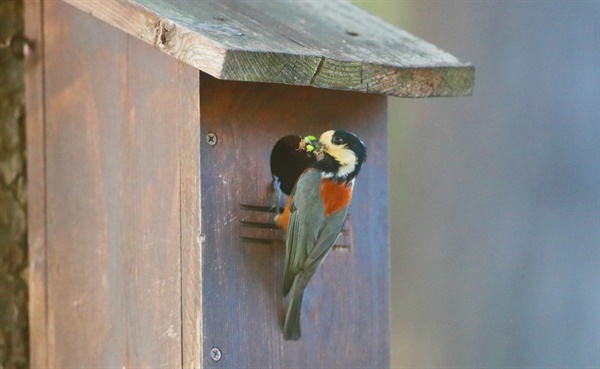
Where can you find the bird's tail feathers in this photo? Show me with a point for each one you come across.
(291, 327)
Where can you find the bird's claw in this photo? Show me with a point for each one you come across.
(276, 198)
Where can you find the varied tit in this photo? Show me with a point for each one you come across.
(314, 215)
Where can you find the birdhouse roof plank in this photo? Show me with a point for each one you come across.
(325, 44)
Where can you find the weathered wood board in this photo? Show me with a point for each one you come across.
(345, 320)
(114, 108)
(36, 192)
(327, 44)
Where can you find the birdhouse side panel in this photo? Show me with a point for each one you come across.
(345, 314)
(113, 110)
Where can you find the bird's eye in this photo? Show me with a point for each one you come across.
(338, 140)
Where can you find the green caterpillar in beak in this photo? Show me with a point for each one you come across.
(310, 144)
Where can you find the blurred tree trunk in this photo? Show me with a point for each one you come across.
(13, 237)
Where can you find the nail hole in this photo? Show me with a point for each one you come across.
(287, 163)
(351, 33)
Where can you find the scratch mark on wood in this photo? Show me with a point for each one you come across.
(317, 71)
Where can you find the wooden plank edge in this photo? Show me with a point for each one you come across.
(36, 183)
(191, 232)
(322, 72)
(189, 47)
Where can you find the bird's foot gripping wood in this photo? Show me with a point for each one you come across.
(276, 198)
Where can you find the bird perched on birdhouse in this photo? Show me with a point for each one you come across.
(315, 213)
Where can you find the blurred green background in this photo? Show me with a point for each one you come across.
(495, 209)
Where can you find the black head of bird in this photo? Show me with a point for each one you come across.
(344, 154)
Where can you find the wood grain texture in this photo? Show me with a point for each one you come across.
(36, 192)
(326, 44)
(113, 195)
(191, 231)
(345, 321)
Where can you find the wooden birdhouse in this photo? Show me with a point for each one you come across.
(151, 130)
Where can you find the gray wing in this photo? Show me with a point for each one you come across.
(310, 234)
(327, 237)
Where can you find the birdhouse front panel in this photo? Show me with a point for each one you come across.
(345, 317)
(108, 275)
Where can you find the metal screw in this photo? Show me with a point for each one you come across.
(215, 354)
(212, 138)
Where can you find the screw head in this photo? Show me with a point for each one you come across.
(215, 354)
(212, 139)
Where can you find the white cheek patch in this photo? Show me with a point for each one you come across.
(345, 157)
(326, 138)
(345, 170)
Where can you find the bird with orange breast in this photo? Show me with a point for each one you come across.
(314, 216)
